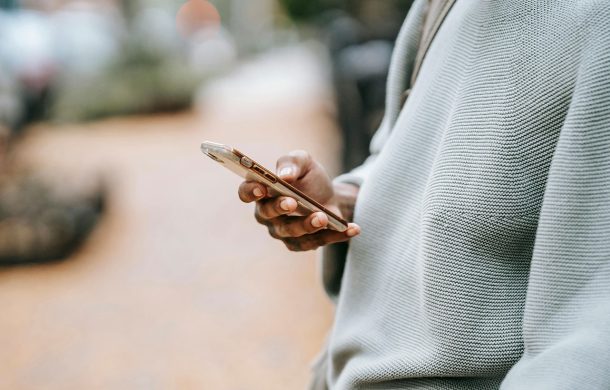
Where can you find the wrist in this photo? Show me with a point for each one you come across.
(344, 198)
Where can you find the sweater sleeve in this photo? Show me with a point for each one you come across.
(566, 323)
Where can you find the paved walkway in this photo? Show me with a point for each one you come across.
(178, 287)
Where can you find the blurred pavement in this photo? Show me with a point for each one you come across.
(178, 287)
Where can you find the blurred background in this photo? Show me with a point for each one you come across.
(126, 258)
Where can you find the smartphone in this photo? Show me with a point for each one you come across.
(249, 169)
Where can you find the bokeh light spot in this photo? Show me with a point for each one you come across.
(197, 15)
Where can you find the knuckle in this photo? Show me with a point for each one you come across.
(291, 245)
(281, 230)
(261, 210)
(243, 195)
(273, 231)
(257, 211)
(300, 154)
(310, 244)
(307, 246)
(301, 158)
(292, 229)
(299, 244)
(287, 158)
(259, 218)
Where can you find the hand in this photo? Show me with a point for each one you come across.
(299, 230)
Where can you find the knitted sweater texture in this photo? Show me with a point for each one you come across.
(484, 257)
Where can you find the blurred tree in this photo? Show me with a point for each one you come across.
(307, 9)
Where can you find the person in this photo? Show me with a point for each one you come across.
(479, 248)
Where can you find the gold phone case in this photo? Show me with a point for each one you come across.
(249, 169)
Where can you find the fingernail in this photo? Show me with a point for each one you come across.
(286, 171)
(286, 204)
(257, 192)
(351, 232)
(315, 222)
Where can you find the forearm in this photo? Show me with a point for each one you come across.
(345, 198)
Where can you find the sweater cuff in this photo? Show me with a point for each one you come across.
(355, 176)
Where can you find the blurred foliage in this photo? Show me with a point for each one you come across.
(138, 82)
(152, 72)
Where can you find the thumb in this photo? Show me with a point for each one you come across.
(332, 236)
(294, 165)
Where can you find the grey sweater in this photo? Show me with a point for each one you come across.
(484, 258)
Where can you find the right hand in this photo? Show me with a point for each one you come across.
(298, 230)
